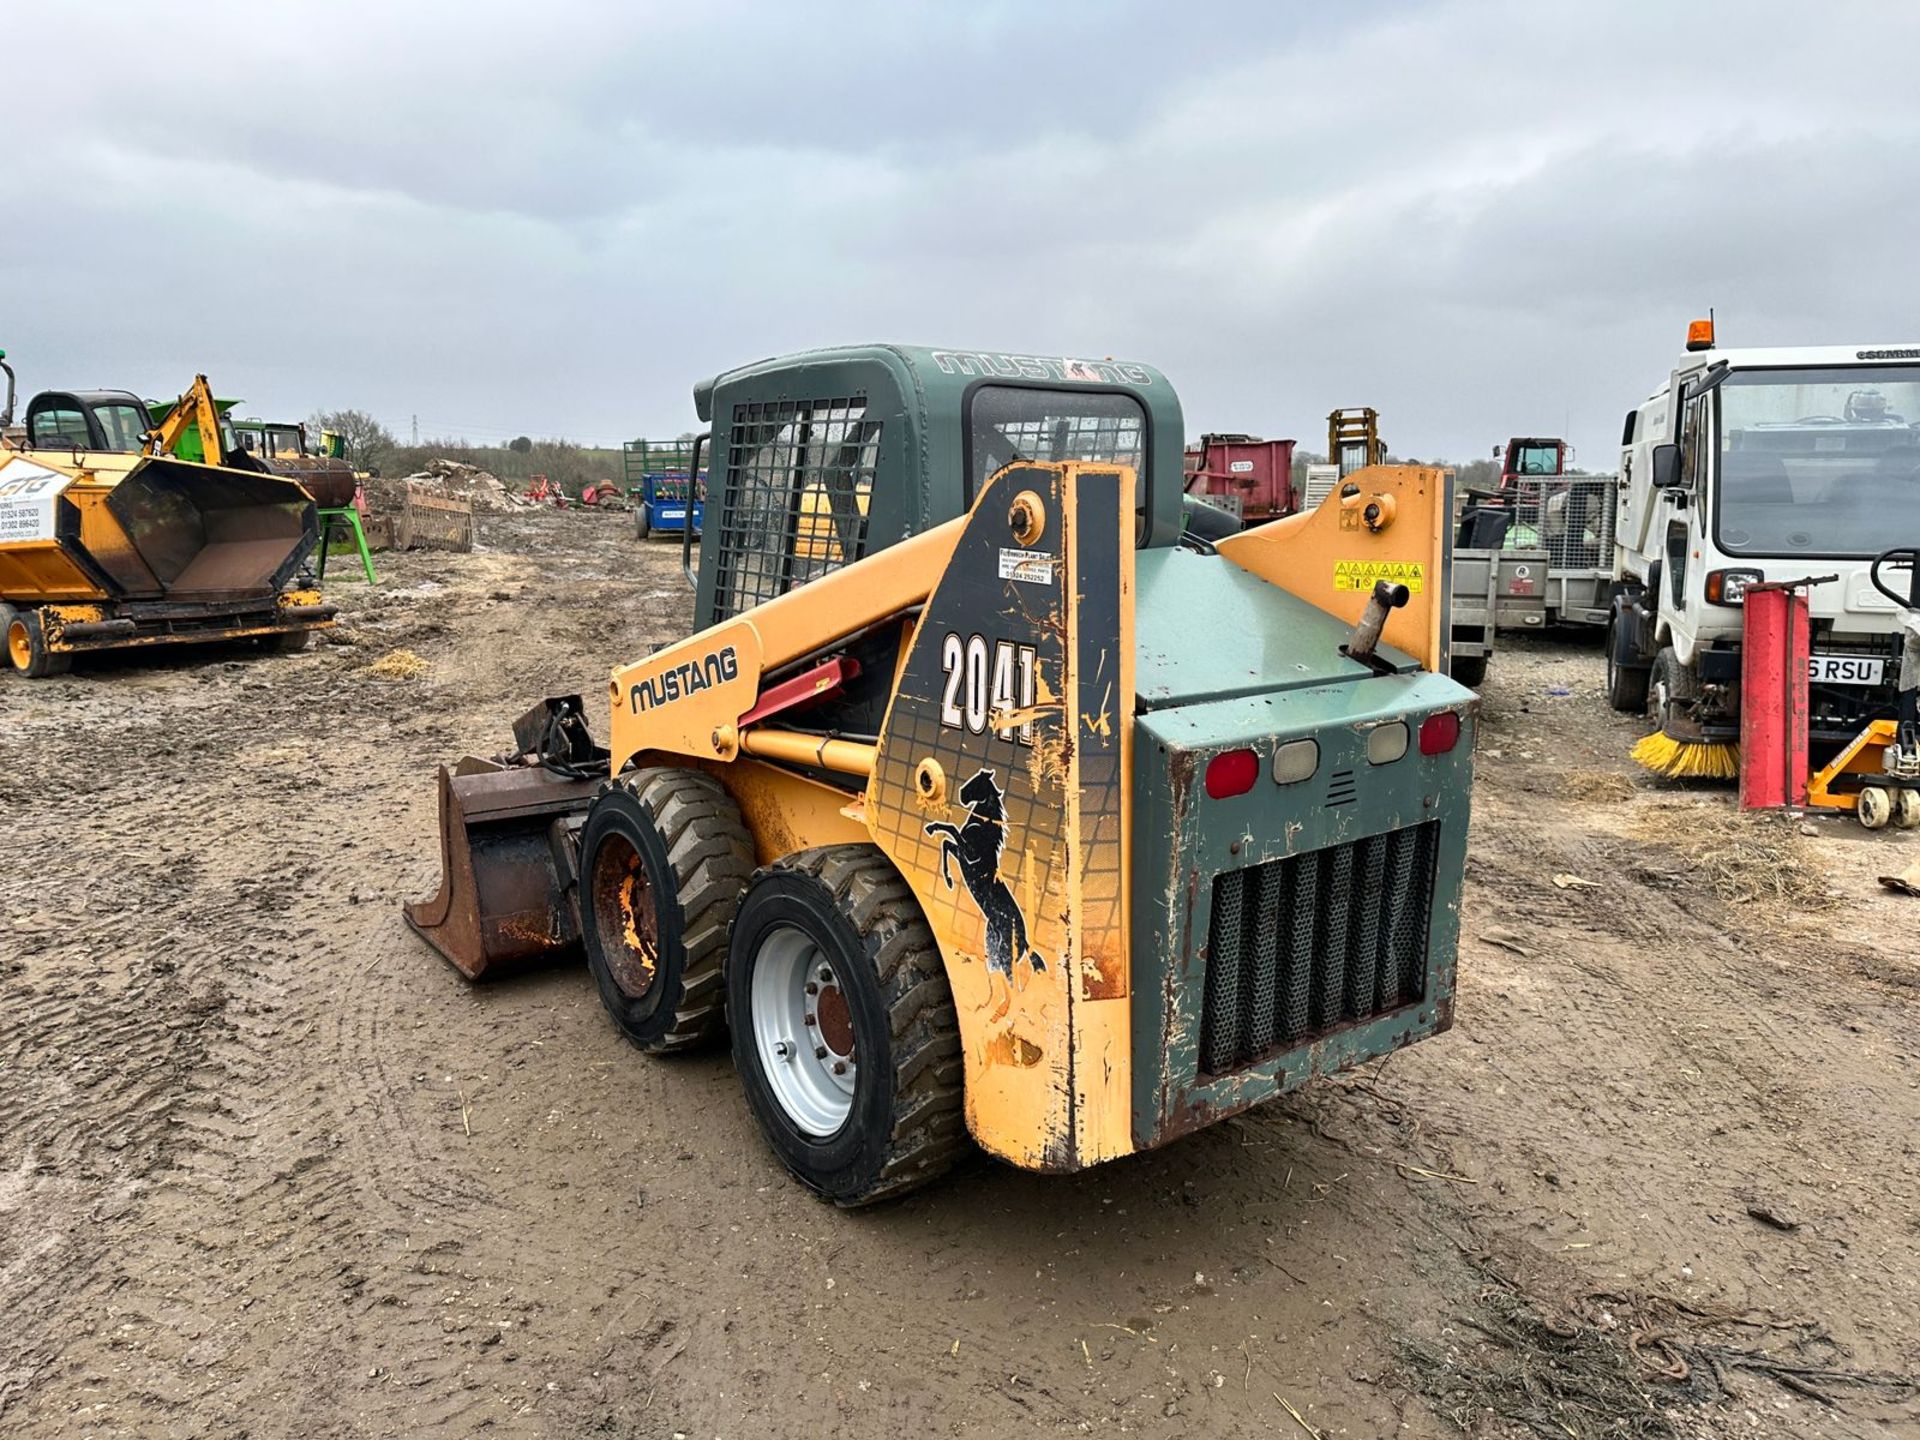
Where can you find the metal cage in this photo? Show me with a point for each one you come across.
(798, 477)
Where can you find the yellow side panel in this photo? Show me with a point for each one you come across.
(1000, 793)
(1393, 526)
(786, 812)
(37, 571)
(679, 698)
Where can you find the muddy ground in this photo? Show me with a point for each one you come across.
(269, 1168)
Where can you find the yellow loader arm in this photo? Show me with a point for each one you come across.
(195, 408)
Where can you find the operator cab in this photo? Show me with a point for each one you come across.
(267, 440)
(1531, 458)
(115, 421)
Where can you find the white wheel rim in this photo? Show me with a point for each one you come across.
(809, 1064)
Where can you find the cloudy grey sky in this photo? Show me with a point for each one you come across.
(1483, 217)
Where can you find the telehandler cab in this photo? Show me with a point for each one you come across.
(992, 797)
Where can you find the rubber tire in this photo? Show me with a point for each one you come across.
(1680, 686)
(1469, 670)
(40, 661)
(1627, 685)
(7, 612)
(288, 642)
(1874, 807)
(906, 1127)
(642, 524)
(697, 857)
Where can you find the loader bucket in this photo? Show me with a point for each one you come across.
(506, 901)
(214, 534)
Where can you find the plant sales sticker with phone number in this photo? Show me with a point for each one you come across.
(1363, 574)
(27, 495)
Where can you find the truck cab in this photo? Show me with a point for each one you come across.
(1752, 465)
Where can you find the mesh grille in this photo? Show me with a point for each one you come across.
(1300, 946)
(798, 476)
(1570, 517)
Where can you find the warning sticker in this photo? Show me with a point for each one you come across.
(1033, 567)
(27, 493)
(1363, 574)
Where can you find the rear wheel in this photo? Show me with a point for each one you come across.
(844, 1030)
(27, 647)
(1906, 808)
(664, 859)
(1470, 670)
(642, 523)
(1626, 682)
(289, 642)
(1875, 806)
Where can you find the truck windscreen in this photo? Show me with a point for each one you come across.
(1817, 461)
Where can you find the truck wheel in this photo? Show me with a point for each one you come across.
(844, 1030)
(1669, 683)
(642, 524)
(664, 858)
(1626, 683)
(27, 647)
(289, 642)
(1469, 670)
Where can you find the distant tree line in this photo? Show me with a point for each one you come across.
(371, 446)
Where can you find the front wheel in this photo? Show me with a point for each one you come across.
(844, 1030)
(664, 858)
(642, 522)
(27, 649)
(1875, 806)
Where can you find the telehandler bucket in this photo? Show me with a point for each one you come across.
(506, 901)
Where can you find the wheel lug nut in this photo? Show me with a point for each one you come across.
(812, 989)
(819, 1052)
(839, 1067)
(810, 1020)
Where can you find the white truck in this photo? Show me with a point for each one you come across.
(1763, 464)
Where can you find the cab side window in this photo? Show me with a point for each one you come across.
(1696, 441)
(60, 427)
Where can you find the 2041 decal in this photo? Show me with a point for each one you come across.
(985, 678)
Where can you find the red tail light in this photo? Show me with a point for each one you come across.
(1439, 733)
(1232, 772)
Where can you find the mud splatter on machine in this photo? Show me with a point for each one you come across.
(1002, 790)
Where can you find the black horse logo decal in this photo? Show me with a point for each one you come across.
(977, 846)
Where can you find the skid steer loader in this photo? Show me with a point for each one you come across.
(991, 797)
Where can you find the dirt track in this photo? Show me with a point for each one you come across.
(267, 1167)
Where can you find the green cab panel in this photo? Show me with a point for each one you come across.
(1309, 923)
(1206, 629)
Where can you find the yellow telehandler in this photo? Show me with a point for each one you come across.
(1002, 790)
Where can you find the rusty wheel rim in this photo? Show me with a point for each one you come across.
(19, 645)
(625, 917)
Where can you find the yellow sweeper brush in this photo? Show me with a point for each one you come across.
(1688, 759)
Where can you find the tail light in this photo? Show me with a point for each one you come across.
(1232, 772)
(1439, 732)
